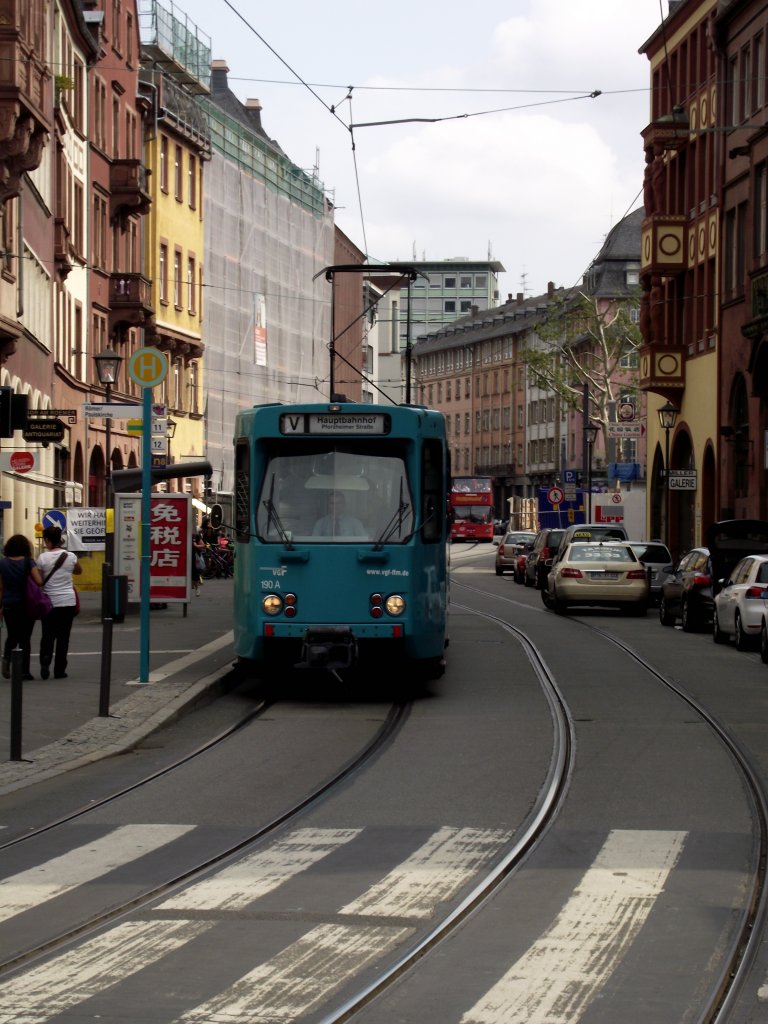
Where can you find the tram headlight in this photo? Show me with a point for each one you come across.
(272, 604)
(395, 604)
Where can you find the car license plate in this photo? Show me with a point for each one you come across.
(600, 574)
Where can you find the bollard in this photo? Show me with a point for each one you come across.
(106, 667)
(17, 672)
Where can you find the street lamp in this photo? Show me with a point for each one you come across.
(107, 368)
(590, 436)
(667, 418)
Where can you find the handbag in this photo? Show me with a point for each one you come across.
(38, 602)
(200, 562)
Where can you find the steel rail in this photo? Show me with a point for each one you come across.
(543, 814)
(389, 728)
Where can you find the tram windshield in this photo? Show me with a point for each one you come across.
(337, 495)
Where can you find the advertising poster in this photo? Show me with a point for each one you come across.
(170, 546)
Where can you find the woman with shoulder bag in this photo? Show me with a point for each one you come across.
(15, 566)
(58, 567)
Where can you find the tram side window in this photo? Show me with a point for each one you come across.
(432, 491)
(242, 491)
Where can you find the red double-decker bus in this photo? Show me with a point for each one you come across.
(472, 508)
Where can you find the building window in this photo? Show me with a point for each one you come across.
(457, 424)
(191, 284)
(449, 306)
(178, 173)
(450, 282)
(163, 273)
(465, 281)
(115, 127)
(164, 162)
(100, 232)
(129, 40)
(481, 280)
(192, 180)
(177, 278)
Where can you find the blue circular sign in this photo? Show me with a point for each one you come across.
(55, 517)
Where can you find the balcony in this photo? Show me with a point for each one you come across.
(128, 184)
(663, 244)
(130, 301)
(61, 249)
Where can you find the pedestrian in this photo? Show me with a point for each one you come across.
(58, 567)
(198, 560)
(15, 566)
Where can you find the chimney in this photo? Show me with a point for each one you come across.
(519, 298)
(509, 296)
(254, 109)
(219, 72)
(475, 310)
(551, 290)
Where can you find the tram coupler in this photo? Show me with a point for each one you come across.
(331, 648)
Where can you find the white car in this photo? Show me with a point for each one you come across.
(596, 573)
(741, 603)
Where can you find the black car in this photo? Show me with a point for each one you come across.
(687, 591)
(539, 562)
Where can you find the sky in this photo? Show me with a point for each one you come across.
(537, 174)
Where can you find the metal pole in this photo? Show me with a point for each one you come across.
(106, 667)
(589, 482)
(667, 513)
(146, 536)
(17, 656)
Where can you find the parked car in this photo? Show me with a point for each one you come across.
(687, 591)
(740, 603)
(522, 560)
(509, 548)
(545, 544)
(598, 573)
(655, 557)
(733, 539)
(590, 532)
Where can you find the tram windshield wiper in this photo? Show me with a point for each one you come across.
(273, 517)
(394, 525)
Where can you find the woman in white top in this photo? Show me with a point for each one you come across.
(57, 567)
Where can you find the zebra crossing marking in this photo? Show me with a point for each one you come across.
(564, 970)
(54, 877)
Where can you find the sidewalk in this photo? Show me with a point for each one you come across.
(61, 725)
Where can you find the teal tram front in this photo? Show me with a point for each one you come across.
(341, 529)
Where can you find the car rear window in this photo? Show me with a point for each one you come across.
(656, 553)
(600, 553)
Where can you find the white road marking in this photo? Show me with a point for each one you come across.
(59, 875)
(290, 985)
(564, 970)
(431, 874)
(56, 986)
(236, 886)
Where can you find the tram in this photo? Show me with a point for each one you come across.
(341, 534)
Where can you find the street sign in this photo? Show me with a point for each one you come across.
(555, 495)
(148, 367)
(626, 429)
(43, 430)
(682, 480)
(113, 410)
(55, 517)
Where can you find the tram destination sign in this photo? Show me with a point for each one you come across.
(334, 423)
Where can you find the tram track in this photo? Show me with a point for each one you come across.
(385, 734)
(543, 814)
(737, 961)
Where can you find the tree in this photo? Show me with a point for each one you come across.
(586, 343)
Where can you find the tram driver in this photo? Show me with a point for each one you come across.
(337, 523)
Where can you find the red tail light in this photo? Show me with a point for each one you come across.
(637, 574)
(758, 592)
(545, 553)
(572, 574)
(501, 549)
(700, 580)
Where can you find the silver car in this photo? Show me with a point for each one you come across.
(656, 558)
